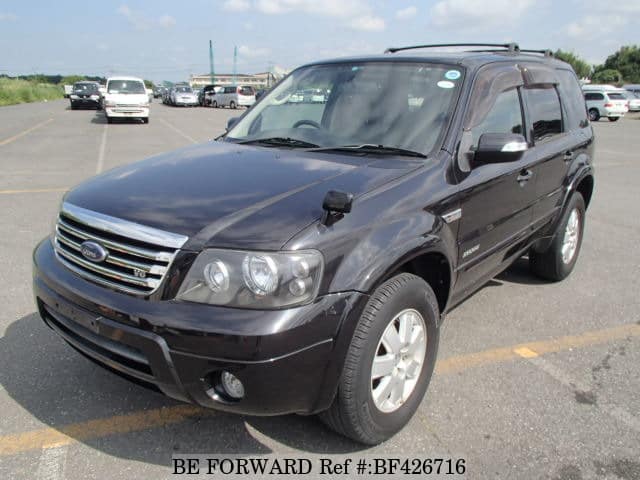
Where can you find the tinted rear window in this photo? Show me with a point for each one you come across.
(593, 96)
(544, 109)
(616, 96)
(247, 91)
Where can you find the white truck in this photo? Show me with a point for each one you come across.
(126, 97)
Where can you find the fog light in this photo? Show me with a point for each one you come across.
(232, 385)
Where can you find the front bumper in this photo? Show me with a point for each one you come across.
(289, 361)
(123, 112)
(85, 101)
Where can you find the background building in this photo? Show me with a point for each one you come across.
(257, 80)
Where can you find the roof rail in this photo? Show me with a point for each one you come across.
(511, 47)
(545, 52)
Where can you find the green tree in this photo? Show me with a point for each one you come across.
(607, 75)
(71, 79)
(627, 62)
(148, 83)
(580, 66)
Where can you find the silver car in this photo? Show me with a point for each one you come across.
(184, 95)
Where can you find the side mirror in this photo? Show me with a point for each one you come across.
(231, 122)
(499, 148)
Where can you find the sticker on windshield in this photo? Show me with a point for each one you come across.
(445, 84)
(452, 75)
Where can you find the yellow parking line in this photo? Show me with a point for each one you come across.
(52, 438)
(24, 132)
(33, 190)
(143, 420)
(463, 362)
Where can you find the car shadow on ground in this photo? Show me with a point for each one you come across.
(519, 272)
(59, 387)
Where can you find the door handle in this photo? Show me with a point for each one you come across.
(524, 177)
(568, 155)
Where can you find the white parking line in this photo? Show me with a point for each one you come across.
(103, 146)
(579, 388)
(178, 131)
(52, 463)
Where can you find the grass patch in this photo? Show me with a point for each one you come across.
(14, 91)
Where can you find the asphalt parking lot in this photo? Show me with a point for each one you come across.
(534, 380)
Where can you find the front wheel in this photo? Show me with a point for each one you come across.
(389, 362)
(614, 119)
(557, 262)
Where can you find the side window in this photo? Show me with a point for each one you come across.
(572, 100)
(504, 117)
(543, 106)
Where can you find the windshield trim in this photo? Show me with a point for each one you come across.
(451, 113)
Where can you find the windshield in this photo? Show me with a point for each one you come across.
(401, 105)
(184, 90)
(85, 87)
(126, 86)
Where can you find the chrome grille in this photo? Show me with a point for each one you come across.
(138, 257)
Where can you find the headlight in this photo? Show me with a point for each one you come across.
(253, 279)
(95, 97)
(73, 95)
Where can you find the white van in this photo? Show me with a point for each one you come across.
(126, 97)
(605, 101)
(233, 97)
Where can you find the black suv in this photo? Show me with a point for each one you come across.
(85, 94)
(305, 260)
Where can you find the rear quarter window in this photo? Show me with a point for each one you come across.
(593, 96)
(572, 100)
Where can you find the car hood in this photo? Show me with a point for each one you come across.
(234, 196)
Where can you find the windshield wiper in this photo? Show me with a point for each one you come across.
(371, 148)
(279, 142)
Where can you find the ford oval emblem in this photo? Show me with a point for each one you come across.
(93, 251)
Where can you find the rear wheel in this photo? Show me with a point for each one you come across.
(594, 114)
(145, 120)
(232, 104)
(389, 363)
(614, 119)
(557, 262)
(214, 104)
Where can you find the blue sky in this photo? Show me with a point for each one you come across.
(168, 40)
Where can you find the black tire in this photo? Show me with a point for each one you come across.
(214, 104)
(549, 264)
(614, 119)
(594, 114)
(145, 120)
(353, 412)
(109, 120)
(232, 104)
(73, 106)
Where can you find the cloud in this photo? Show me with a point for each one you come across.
(478, 15)
(8, 17)
(406, 13)
(142, 22)
(236, 5)
(248, 52)
(367, 23)
(356, 14)
(166, 21)
(103, 47)
(591, 26)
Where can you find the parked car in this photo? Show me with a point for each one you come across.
(633, 100)
(234, 97)
(183, 95)
(166, 96)
(204, 97)
(126, 97)
(157, 91)
(85, 94)
(605, 102)
(635, 88)
(305, 261)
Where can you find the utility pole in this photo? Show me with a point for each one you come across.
(235, 65)
(211, 70)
